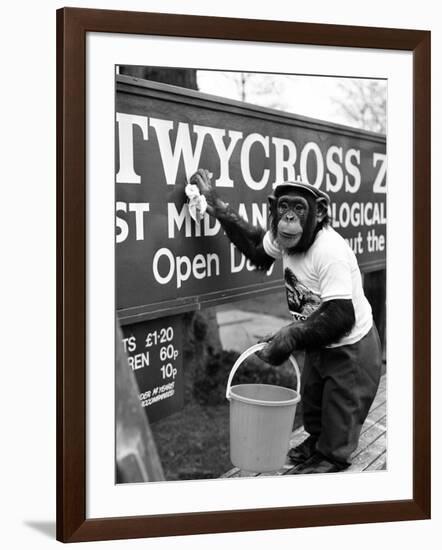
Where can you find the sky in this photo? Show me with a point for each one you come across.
(311, 96)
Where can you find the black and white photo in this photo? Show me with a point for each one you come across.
(251, 208)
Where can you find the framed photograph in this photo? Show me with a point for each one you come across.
(243, 274)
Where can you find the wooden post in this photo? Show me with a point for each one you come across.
(137, 458)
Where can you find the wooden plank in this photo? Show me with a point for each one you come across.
(381, 394)
(380, 463)
(280, 472)
(231, 473)
(374, 416)
(381, 397)
(245, 473)
(236, 472)
(369, 436)
(363, 460)
(136, 452)
(383, 383)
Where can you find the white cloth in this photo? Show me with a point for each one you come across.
(197, 202)
(327, 271)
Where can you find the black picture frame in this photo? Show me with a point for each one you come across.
(72, 26)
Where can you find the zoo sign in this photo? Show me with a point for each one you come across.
(165, 260)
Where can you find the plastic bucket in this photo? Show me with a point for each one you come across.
(261, 420)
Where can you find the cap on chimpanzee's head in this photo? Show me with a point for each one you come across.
(283, 187)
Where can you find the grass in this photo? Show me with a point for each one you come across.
(194, 443)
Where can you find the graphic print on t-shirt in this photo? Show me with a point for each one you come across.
(301, 300)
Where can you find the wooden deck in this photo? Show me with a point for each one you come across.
(371, 453)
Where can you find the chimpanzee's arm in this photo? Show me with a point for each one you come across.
(328, 324)
(245, 236)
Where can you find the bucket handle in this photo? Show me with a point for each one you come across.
(251, 351)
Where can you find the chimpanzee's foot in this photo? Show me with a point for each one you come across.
(303, 451)
(318, 464)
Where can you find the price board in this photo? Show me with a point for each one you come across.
(154, 354)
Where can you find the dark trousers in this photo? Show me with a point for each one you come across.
(338, 388)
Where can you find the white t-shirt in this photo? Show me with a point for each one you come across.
(327, 271)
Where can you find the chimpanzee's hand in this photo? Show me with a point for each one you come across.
(201, 178)
(279, 346)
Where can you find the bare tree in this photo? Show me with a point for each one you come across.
(262, 89)
(241, 83)
(364, 104)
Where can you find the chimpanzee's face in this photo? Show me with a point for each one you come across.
(296, 217)
(292, 212)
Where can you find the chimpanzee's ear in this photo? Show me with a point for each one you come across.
(272, 203)
(321, 208)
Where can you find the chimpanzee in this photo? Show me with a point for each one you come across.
(332, 319)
